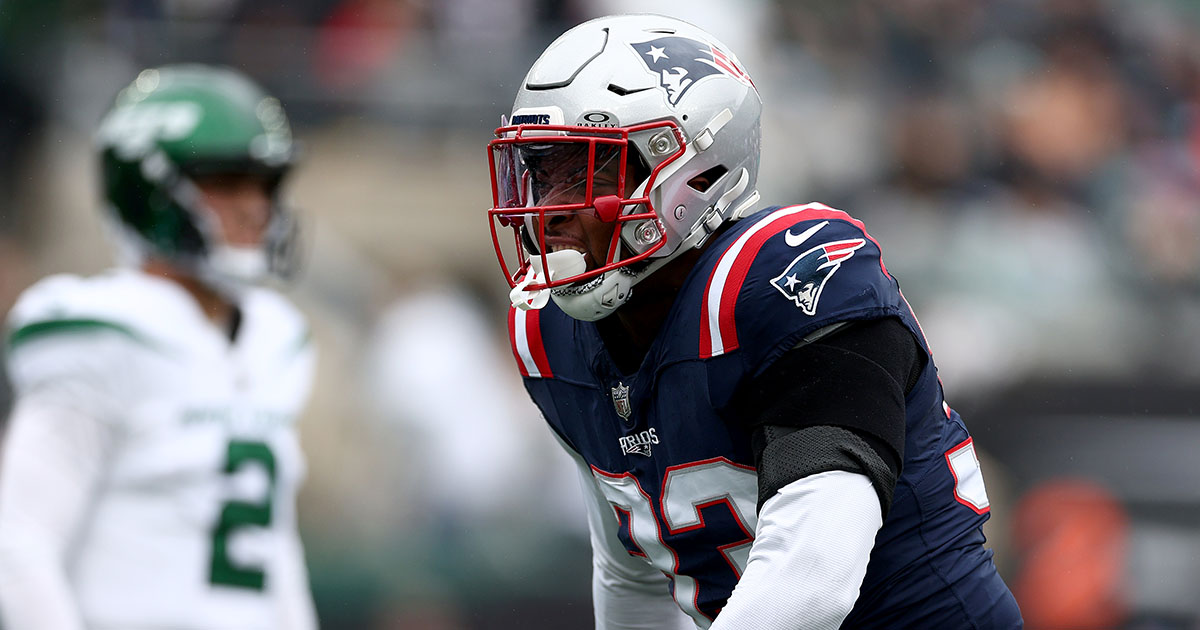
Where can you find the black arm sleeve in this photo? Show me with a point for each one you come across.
(836, 403)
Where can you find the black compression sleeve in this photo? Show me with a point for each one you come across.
(835, 404)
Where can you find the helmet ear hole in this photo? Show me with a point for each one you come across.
(702, 182)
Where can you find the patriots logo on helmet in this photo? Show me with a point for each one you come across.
(680, 62)
(805, 278)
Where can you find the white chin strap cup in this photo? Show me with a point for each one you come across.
(232, 269)
(248, 264)
(562, 264)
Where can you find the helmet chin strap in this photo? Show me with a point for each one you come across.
(241, 263)
(232, 269)
(597, 299)
(561, 264)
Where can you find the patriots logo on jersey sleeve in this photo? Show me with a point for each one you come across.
(680, 62)
(805, 278)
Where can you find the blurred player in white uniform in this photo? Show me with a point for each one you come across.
(151, 464)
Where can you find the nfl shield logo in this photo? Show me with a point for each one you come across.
(620, 396)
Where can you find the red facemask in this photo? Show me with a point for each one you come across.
(543, 171)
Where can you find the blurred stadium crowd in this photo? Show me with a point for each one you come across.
(1031, 167)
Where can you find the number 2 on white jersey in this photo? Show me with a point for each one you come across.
(238, 514)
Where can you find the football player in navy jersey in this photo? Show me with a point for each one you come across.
(755, 413)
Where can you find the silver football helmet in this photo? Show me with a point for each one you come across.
(658, 108)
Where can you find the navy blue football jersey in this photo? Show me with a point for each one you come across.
(668, 451)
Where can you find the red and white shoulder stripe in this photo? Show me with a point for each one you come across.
(718, 328)
(525, 336)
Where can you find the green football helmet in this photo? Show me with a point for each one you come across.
(177, 122)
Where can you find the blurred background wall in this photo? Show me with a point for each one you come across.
(1032, 168)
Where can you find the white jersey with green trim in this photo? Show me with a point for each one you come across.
(190, 522)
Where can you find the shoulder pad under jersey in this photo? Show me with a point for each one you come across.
(111, 303)
(787, 272)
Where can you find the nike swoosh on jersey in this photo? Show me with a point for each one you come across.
(795, 240)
